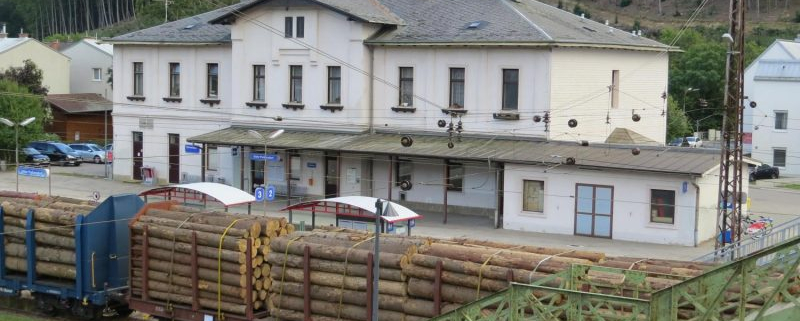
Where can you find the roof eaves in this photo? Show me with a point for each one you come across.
(167, 43)
(225, 19)
(521, 44)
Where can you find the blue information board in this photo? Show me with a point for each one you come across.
(33, 171)
(270, 193)
(262, 157)
(259, 194)
(191, 149)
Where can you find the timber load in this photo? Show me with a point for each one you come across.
(53, 220)
(213, 262)
(326, 274)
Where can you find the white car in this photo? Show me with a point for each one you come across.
(90, 152)
(694, 141)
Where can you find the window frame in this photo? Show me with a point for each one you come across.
(449, 180)
(506, 84)
(97, 72)
(300, 28)
(784, 119)
(331, 81)
(138, 78)
(400, 163)
(259, 83)
(174, 79)
(288, 23)
(614, 89)
(296, 168)
(212, 78)
(456, 82)
(665, 207)
(524, 197)
(212, 152)
(405, 83)
(775, 150)
(296, 84)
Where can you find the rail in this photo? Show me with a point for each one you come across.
(743, 248)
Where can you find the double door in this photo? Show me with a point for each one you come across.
(594, 210)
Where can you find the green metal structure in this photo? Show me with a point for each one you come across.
(763, 286)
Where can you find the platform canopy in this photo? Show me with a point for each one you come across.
(225, 194)
(357, 206)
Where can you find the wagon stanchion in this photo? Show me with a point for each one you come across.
(195, 290)
(370, 277)
(249, 279)
(145, 264)
(437, 289)
(307, 283)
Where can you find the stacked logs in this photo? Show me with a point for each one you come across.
(338, 276)
(53, 229)
(230, 251)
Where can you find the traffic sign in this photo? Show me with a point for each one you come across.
(270, 193)
(33, 171)
(259, 194)
(261, 157)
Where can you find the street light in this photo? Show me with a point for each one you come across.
(697, 123)
(272, 135)
(16, 126)
(686, 91)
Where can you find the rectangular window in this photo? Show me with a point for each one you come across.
(510, 88)
(406, 86)
(296, 168)
(174, 79)
(212, 90)
(287, 25)
(662, 206)
(97, 74)
(296, 84)
(138, 79)
(402, 171)
(781, 118)
(779, 157)
(533, 196)
(614, 89)
(301, 28)
(212, 157)
(457, 87)
(334, 85)
(455, 177)
(259, 72)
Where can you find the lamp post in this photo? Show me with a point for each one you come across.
(686, 91)
(697, 123)
(376, 259)
(272, 135)
(16, 126)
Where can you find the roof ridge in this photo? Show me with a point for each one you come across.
(526, 19)
(387, 11)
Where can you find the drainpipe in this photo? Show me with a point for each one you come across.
(370, 89)
(696, 209)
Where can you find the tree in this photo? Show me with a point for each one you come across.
(16, 104)
(28, 76)
(678, 124)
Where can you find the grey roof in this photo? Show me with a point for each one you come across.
(501, 21)
(363, 10)
(693, 161)
(8, 43)
(195, 29)
(778, 70)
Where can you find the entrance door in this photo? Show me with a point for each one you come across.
(174, 158)
(138, 146)
(331, 176)
(257, 170)
(593, 210)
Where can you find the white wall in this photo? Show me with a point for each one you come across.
(85, 57)
(631, 205)
(54, 66)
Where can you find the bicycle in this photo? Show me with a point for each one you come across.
(756, 228)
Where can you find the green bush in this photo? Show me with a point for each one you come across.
(625, 3)
(796, 16)
(578, 10)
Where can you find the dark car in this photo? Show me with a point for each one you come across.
(33, 156)
(57, 152)
(764, 171)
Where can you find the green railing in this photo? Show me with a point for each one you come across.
(763, 286)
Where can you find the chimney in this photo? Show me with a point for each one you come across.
(3, 33)
(22, 34)
(55, 45)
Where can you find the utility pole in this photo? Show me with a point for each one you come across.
(729, 211)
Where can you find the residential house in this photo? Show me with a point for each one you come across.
(91, 63)
(80, 117)
(474, 107)
(54, 65)
(772, 126)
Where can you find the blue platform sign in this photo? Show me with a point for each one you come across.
(311, 165)
(271, 193)
(262, 157)
(412, 223)
(259, 194)
(33, 171)
(191, 149)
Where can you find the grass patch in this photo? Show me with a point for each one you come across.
(791, 186)
(11, 316)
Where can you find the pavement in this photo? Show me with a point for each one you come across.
(768, 198)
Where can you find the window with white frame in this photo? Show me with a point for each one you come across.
(779, 157)
(402, 170)
(288, 23)
(97, 74)
(406, 86)
(212, 81)
(259, 72)
(662, 206)
(296, 84)
(301, 27)
(457, 76)
(296, 168)
(614, 89)
(781, 119)
(138, 79)
(212, 157)
(510, 89)
(174, 79)
(334, 85)
(533, 196)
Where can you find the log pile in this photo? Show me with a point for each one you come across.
(53, 229)
(338, 276)
(220, 256)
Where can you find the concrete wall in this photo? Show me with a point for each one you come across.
(86, 57)
(631, 205)
(54, 66)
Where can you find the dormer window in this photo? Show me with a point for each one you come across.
(301, 28)
(288, 23)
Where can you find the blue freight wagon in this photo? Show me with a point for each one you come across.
(102, 246)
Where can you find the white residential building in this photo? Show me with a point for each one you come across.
(91, 62)
(773, 125)
(54, 65)
(491, 95)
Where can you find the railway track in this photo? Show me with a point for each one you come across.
(27, 308)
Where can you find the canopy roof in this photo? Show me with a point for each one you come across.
(227, 195)
(391, 212)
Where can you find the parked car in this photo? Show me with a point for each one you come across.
(58, 153)
(675, 142)
(694, 141)
(90, 152)
(34, 157)
(764, 171)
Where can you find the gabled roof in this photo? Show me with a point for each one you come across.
(629, 137)
(79, 103)
(8, 43)
(104, 47)
(193, 30)
(778, 70)
(362, 10)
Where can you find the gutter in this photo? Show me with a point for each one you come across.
(696, 209)
(371, 89)
(523, 45)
